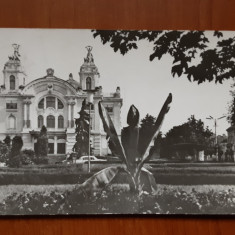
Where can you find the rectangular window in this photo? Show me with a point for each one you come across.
(50, 102)
(11, 105)
(61, 148)
(51, 148)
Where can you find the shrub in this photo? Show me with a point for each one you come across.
(120, 200)
(7, 140)
(42, 143)
(41, 160)
(4, 152)
(27, 156)
(14, 155)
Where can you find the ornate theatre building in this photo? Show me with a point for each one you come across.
(55, 103)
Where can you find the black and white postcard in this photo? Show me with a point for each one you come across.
(117, 122)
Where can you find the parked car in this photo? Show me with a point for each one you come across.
(3, 164)
(84, 159)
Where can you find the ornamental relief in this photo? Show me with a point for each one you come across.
(40, 88)
(48, 85)
(50, 111)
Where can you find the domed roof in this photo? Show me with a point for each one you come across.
(73, 82)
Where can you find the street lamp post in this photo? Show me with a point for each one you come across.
(90, 97)
(90, 100)
(216, 139)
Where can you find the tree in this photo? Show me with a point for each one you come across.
(185, 47)
(231, 110)
(146, 128)
(42, 143)
(82, 132)
(192, 132)
(14, 156)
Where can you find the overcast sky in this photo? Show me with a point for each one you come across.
(143, 83)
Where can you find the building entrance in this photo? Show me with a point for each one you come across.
(57, 144)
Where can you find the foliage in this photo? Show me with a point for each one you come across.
(4, 152)
(130, 136)
(27, 157)
(14, 155)
(146, 128)
(184, 47)
(119, 200)
(41, 160)
(191, 132)
(82, 132)
(42, 143)
(127, 151)
(7, 140)
(231, 109)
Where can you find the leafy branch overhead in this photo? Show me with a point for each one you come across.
(192, 52)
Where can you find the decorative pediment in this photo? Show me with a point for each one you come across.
(49, 85)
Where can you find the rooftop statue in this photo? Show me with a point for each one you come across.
(16, 54)
(89, 58)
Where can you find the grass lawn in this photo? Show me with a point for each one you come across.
(169, 173)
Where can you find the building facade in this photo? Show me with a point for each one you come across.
(55, 103)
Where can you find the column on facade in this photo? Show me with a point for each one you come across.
(56, 121)
(55, 144)
(116, 116)
(69, 114)
(28, 114)
(72, 114)
(71, 104)
(25, 114)
(44, 120)
(96, 117)
(27, 103)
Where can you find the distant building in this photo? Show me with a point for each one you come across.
(221, 140)
(231, 141)
(55, 103)
(231, 135)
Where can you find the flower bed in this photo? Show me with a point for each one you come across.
(117, 199)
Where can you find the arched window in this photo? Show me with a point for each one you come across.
(88, 83)
(12, 122)
(50, 121)
(40, 121)
(41, 104)
(12, 82)
(60, 104)
(50, 102)
(60, 122)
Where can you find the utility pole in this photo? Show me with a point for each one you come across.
(216, 139)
